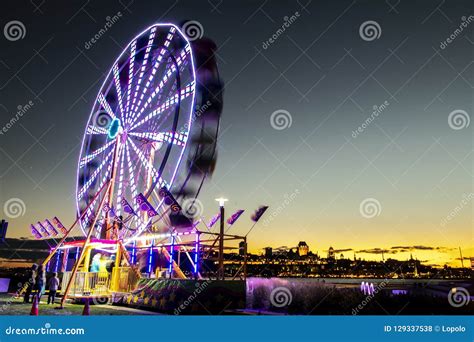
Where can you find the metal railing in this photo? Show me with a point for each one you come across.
(87, 283)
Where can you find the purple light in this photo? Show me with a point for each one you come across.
(130, 77)
(118, 89)
(156, 65)
(144, 63)
(103, 102)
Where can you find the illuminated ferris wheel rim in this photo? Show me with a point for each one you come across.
(121, 128)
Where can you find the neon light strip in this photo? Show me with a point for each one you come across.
(147, 164)
(119, 192)
(196, 253)
(95, 130)
(118, 89)
(94, 175)
(134, 251)
(188, 90)
(130, 76)
(142, 70)
(155, 67)
(164, 80)
(161, 236)
(57, 261)
(103, 102)
(150, 258)
(171, 257)
(102, 182)
(94, 154)
(179, 138)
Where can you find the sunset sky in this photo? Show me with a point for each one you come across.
(315, 174)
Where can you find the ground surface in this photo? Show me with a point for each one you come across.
(15, 306)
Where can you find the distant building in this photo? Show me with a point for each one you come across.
(331, 253)
(268, 252)
(303, 248)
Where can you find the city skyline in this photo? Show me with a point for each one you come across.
(339, 173)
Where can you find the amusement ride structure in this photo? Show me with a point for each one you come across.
(149, 145)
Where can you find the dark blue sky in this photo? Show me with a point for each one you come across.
(320, 72)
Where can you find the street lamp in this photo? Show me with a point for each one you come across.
(220, 271)
(221, 201)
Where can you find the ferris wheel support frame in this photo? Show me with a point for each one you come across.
(78, 218)
(86, 242)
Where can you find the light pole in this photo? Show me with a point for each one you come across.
(220, 272)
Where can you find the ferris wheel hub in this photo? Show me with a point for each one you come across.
(115, 128)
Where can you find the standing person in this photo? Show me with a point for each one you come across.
(30, 283)
(53, 285)
(40, 282)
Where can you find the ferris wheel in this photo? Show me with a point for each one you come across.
(143, 133)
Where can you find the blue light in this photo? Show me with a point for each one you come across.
(58, 254)
(114, 128)
(171, 257)
(196, 253)
(150, 258)
(134, 251)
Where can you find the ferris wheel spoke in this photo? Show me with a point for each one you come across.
(94, 154)
(130, 76)
(105, 177)
(133, 185)
(178, 139)
(96, 173)
(185, 92)
(147, 165)
(118, 89)
(120, 182)
(167, 75)
(105, 104)
(130, 170)
(143, 67)
(155, 67)
(95, 130)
